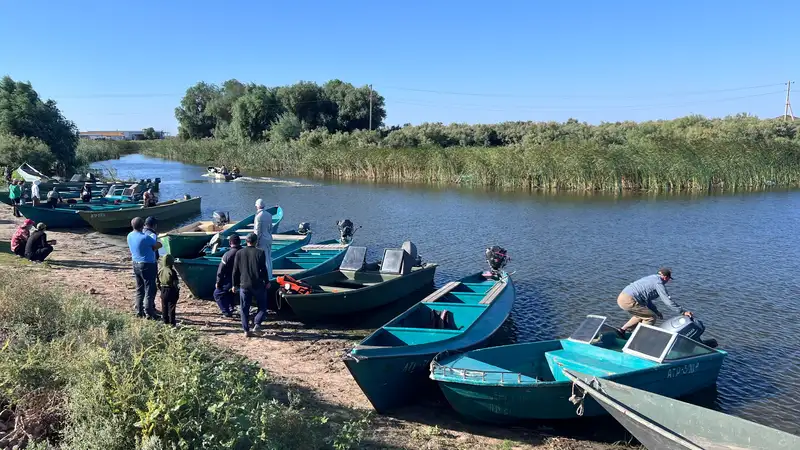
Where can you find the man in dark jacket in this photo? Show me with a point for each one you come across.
(251, 280)
(222, 294)
(38, 247)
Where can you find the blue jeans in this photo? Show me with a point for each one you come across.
(224, 298)
(145, 275)
(246, 296)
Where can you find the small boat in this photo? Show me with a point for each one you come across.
(120, 219)
(527, 381)
(67, 216)
(391, 365)
(218, 174)
(296, 258)
(188, 241)
(662, 423)
(356, 287)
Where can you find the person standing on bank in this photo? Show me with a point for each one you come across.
(150, 225)
(143, 250)
(222, 292)
(251, 280)
(169, 287)
(263, 230)
(637, 300)
(36, 196)
(15, 195)
(38, 247)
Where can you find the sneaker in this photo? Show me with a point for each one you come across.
(257, 329)
(248, 334)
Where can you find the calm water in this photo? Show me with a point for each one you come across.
(736, 258)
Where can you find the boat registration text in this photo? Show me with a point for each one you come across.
(683, 370)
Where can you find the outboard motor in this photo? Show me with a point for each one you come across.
(304, 228)
(689, 327)
(346, 230)
(411, 249)
(497, 257)
(220, 218)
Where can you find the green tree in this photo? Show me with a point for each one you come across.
(287, 127)
(24, 114)
(307, 102)
(150, 134)
(196, 118)
(253, 113)
(15, 150)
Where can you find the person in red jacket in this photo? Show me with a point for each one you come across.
(20, 237)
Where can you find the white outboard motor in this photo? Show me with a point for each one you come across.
(304, 228)
(220, 218)
(689, 327)
(411, 249)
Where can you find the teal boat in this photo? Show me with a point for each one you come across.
(355, 287)
(189, 241)
(5, 247)
(527, 381)
(294, 258)
(120, 218)
(67, 216)
(391, 365)
(662, 423)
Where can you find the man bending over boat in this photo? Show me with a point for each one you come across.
(637, 300)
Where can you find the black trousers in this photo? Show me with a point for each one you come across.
(40, 254)
(169, 302)
(20, 251)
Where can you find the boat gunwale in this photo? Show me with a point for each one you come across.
(365, 288)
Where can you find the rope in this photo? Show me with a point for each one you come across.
(577, 399)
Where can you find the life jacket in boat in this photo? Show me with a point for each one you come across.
(289, 285)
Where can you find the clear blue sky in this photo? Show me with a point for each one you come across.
(125, 65)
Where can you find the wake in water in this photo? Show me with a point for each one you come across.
(275, 181)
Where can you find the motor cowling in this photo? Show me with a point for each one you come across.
(346, 230)
(497, 257)
(689, 327)
(304, 228)
(220, 218)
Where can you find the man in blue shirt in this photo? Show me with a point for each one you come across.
(145, 271)
(637, 300)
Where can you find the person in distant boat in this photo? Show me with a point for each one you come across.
(36, 196)
(637, 300)
(169, 287)
(20, 238)
(38, 247)
(149, 198)
(224, 169)
(263, 229)
(251, 280)
(86, 193)
(90, 176)
(235, 172)
(222, 292)
(53, 198)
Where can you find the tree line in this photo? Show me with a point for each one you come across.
(254, 112)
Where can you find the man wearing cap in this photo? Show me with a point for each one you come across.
(145, 270)
(251, 280)
(38, 247)
(263, 230)
(21, 236)
(637, 299)
(222, 292)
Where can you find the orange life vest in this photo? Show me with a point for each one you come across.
(289, 285)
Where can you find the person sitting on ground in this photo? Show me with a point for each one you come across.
(169, 288)
(36, 196)
(38, 247)
(20, 238)
(15, 195)
(637, 300)
(251, 280)
(86, 193)
(222, 292)
(53, 198)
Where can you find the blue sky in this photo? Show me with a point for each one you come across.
(115, 66)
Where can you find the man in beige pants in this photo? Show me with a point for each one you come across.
(637, 300)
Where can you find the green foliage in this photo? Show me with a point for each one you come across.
(287, 127)
(116, 382)
(24, 114)
(150, 133)
(90, 150)
(196, 113)
(253, 113)
(16, 150)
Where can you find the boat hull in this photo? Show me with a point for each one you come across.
(110, 221)
(327, 306)
(54, 218)
(392, 377)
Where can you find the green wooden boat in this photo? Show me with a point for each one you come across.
(188, 241)
(296, 258)
(525, 381)
(67, 216)
(353, 289)
(120, 219)
(391, 365)
(663, 423)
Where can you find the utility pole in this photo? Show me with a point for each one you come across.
(787, 112)
(370, 106)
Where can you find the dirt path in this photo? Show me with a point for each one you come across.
(303, 358)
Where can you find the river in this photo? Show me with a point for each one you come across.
(735, 258)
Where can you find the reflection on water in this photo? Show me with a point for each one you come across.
(735, 257)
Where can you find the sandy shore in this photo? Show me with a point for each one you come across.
(305, 359)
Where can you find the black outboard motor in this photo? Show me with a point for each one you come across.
(304, 228)
(689, 327)
(220, 218)
(497, 257)
(346, 230)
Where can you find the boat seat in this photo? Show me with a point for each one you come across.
(441, 292)
(415, 336)
(581, 363)
(276, 272)
(335, 288)
(492, 293)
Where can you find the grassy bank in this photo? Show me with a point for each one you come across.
(75, 375)
(90, 151)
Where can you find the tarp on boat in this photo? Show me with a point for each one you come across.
(30, 174)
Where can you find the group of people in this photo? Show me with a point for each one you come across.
(235, 171)
(245, 271)
(31, 242)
